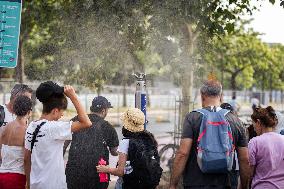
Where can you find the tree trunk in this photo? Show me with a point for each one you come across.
(186, 88)
(262, 89)
(270, 87)
(1, 71)
(187, 73)
(233, 84)
(148, 98)
(124, 84)
(222, 77)
(282, 97)
(270, 96)
(124, 103)
(20, 65)
(99, 90)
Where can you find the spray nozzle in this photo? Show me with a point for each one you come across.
(140, 76)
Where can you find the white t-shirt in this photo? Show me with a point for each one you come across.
(47, 164)
(255, 101)
(123, 148)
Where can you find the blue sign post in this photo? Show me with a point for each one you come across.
(140, 94)
(10, 20)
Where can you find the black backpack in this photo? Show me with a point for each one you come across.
(2, 115)
(145, 161)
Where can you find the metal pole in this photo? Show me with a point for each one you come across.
(140, 94)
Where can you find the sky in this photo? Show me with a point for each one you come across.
(269, 20)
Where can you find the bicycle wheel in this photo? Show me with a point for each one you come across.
(167, 154)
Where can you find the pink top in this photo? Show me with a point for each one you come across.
(266, 153)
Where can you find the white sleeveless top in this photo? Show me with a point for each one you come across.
(12, 159)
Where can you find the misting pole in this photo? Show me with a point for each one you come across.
(140, 93)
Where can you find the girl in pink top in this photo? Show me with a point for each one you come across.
(266, 151)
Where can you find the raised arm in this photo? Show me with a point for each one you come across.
(83, 119)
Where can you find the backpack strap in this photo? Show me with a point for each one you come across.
(224, 112)
(204, 111)
(201, 111)
(2, 115)
(35, 133)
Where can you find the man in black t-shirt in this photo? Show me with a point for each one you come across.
(89, 146)
(186, 158)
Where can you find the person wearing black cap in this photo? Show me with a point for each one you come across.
(44, 140)
(89, 146)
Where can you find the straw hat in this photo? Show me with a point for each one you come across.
(133, 120)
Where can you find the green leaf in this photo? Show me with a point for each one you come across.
(272, 1)
(230, 27)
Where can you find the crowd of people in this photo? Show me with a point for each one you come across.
(32, 154)
(215, 151)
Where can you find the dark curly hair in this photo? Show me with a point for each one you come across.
(22, 105)
(266, 116)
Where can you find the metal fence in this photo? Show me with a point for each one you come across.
(159, 98)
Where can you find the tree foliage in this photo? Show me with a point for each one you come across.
(246, 61)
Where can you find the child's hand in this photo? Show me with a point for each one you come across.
(69, 91)
(102, 169)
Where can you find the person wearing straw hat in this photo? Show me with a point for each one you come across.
(138, 162)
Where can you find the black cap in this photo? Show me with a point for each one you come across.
(99, 103)
(48, 89)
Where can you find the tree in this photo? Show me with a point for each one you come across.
(52, 40)
(238, 54)
(190, 23)
(269, 76)
(38, 20)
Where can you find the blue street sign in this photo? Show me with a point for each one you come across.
(10, 20)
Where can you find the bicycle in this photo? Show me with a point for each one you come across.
(167, 155)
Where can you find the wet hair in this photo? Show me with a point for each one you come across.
(58, 101)
(211, 88)
(20, 89)
(51, 95)
(266, 116)
(143, 134)
(22, 105)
